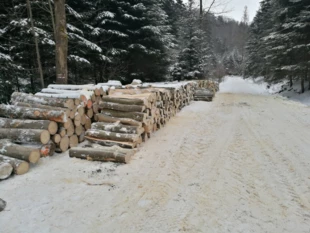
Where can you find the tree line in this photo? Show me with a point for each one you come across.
(279, 42)
(151, 40)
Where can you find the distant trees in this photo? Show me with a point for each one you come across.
(279, 41)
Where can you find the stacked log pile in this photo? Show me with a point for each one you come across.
(128, 116)
(206, 90)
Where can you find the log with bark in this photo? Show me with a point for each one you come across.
(126, 101)
(105, 154)
(5, 170)
(51, 126)
(64, 144)
(109, 143)
(121, 107)
(126, 121)
(20, 167)
(19, 152)
(138, 116)
(117, 128)
(31, 99)
(26, 135)
(22, 104)
(106, 135)
(11, 111)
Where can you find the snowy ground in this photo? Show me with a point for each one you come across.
(238, 164)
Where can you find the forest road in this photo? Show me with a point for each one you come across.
(238, 164)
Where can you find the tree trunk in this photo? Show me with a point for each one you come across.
(118, 128)
(302, 84)
(20, 167)
(5, 170)
(125, 121)
(19, 152)
(51, 126)
(52, 18)
(31, 99)
(106, 154)
(61, 40)
(25, 135)
(121, 107)
(12, 111)
(106, 135)
(36, 44)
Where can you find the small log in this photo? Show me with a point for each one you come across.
(56, 138)
(105, 154)
(79, 130)
(48, 149)
(25, 135)
(118, 128)
(68, 124)
(62, 132)
(70, 131)
(125, 121)
(87, 123)
(106, 135)
(20, 167)
(51, 126)
(90, 113)
(31, 99)
(5, 170)
(109, 143)
(11, 111)
(121, 107)
(19, 152)
(77, 119)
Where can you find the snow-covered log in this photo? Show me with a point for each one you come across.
(108, 135)
(51, 126)
(118, 128)
(121, 107)
(126, 121)
(138, 116)
(11, 111)
(22, 104)
(20, 167)
(31, 99)
(25, 135)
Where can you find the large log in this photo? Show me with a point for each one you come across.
(106, 135)
(11, 111)
(126, 121)
(26, 135)
(19, 152)
(51, 126)
(64, 143)
(20, 167)
(5, 170)
(118, 128)
(138, 116)
(106, 154)
(31, 99)
(121, 107)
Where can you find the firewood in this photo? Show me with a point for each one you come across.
(138, 116)
(20, 167)
(51, 126)
(106, 154)
(5, 170)
(19, 152)
(11, 111)
(25, 135)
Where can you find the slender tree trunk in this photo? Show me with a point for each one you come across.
(291, 81)
(36, 44)
(302, 84)
(52, 17)
(61, 42)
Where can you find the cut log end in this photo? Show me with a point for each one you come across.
(34, 156)
(5, 170)
(22, 168)
(52, 127)
(45, 137)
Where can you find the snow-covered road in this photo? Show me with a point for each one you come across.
(238, 164)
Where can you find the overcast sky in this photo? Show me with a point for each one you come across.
(236, 7)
